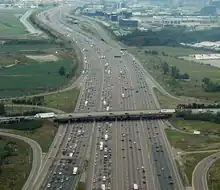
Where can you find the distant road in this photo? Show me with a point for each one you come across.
(27, 24)
(199, 176)
(37, 158)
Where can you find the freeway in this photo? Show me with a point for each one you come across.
(199, 176)
(134, 150)
(37, 158)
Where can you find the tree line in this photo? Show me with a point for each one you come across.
(210, 86)
(7, 150)
(24, 125)
(174, 72)
(187, 115)
(198, 106)
(3, 112)
(169, 37)
(36, 100)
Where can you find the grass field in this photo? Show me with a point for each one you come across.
(20, 109)
(14, 174)
(214, 176)
(64, 101)
(196, 71)
(188, 142)
(10, 24)
(33, 77)
(190, 125)
(188, 164)
(43, 135)
(167, 102)
(25, 48)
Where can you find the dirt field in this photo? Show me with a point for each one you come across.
(43, 58)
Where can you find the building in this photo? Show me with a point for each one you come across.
(209, 10)
(128, 23)
(113, 18)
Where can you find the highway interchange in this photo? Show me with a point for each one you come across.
(136, 152)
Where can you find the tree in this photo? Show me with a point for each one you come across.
(165, 68)
(185, 76)
(206, 80)
(2, 109)
(62, 71)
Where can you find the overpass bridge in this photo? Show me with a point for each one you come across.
(95, 116)
(114, 115)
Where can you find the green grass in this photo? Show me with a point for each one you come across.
(14, 174)
(20, 109)
(188, 164)
(196, 72)
(10, 24)
(43, 135)
(33, 77)
(26, 47)
(64, 101)
(167, 102)
(188, 142)
(214, 176)
(80, 186)
(176, 51)
(190, 125)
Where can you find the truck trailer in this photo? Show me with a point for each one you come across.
(75, 170)
(45, 115)
(101, 145)
(106, 137)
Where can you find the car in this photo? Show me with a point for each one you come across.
(48, 185)
(171, 182)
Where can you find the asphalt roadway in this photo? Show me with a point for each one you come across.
(199, 176)
(134, 150)
(37, 158)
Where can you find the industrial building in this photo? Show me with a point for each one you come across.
(129, 23)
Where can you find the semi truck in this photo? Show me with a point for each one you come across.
(101, 145)
(103, 186)
(106, 137)
(75, 170)
(135, 186)
(45, 115)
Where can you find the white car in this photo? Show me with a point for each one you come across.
(48, 185)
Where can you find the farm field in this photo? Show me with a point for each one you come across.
(32, 77)
(17, 166)
(32, 66)
(191, 88)
(27, 48)
(190, 142)
(191, 125)
(10, 25)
